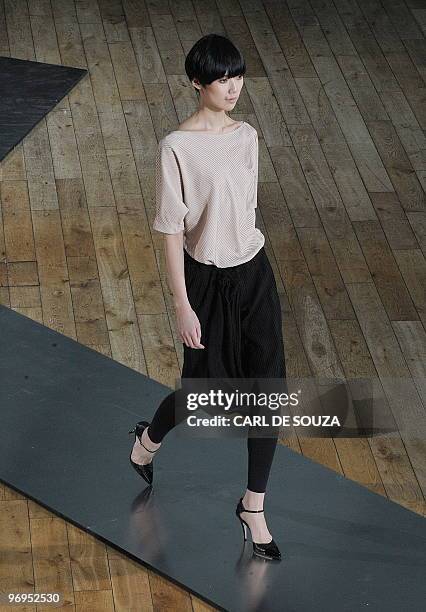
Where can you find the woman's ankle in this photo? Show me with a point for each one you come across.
(147, 442)
(253, 500)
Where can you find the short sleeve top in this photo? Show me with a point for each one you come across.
(206, 185)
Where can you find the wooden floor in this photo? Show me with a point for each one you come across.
(337, 93)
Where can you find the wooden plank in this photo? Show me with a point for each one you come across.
(39, 8)
(333, 28)
(63, 11)
(320, 111)
(39, 168)
(200, 606)
(116, 289)
(26, 299)
(394, 375)
(4, 39)
(325, 274)
(11, 494)
(126, 71)
(91, 149)
(281, 242)
(12, 167)
(168, 43)
(87, 11)
(407, 186)
(381, 26)
(268, 112)
(63, 145)
(88, 305)
(413, 268)
(22, 273)
(85, 287)
(402, 19)
(368, 49)
(52, 267)
(37, 511)
(386, 275)
(378, 42)
(159, 347)
(417, 51)
(68, 35)
(19, 29)
(411, 336)
(348, 179)
(413, 86)
(131, 584)
(114, 20)
(286, 93)
(136, 14)
(407, 127)
(294, 187)
(77, 233)
(16, 568)
(105, 88)
(290, 41)
(418, 223)
(142, 135)
(371, 167)
(95, 601)
(394, 222)
(344, 106)
(146, 285)
(98, 61)
(362, 88)
(330, 207)
(146, 52)
(52, 567)
(17, 222)
(419, 14)
(4, 291)
(44, 37)
(321, 358)
(124, 178)
(89, 561)
(390, 470)
(166, 595)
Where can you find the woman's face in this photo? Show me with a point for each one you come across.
(223, 93)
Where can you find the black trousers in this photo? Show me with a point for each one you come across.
(241, 328)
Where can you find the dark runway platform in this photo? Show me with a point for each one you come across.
(28, 91)
(65, 415)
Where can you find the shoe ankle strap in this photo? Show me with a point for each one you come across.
(150, 451)
(245, 510)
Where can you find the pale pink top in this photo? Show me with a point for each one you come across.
(206, 185)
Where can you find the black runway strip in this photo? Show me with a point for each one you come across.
(28, 91)
(65, 415)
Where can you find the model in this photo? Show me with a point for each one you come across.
(227, 306)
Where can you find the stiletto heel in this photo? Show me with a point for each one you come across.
(267, 550)
(147, 470)
(243, 525)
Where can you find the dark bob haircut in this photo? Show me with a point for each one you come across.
(213, 57)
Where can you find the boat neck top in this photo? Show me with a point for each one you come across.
(209, 133)
(206, 185)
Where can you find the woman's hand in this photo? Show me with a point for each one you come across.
(189, 327)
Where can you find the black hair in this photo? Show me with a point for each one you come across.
(213, 57)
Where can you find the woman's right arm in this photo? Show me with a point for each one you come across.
(187, 321)
(169, 219)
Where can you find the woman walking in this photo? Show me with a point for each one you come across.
(226, 301)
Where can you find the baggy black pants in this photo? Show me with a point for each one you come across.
(241, 328)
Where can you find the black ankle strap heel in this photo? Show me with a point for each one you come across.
(267, 550)
(147, 470)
